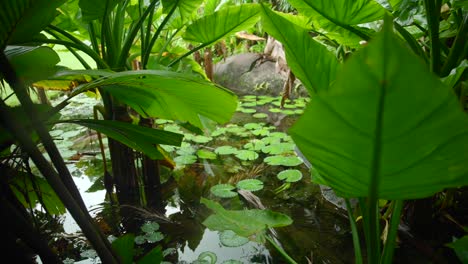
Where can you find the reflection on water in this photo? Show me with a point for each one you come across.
(91, 199)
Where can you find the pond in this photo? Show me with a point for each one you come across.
(252, 150)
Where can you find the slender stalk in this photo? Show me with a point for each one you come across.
(432, 8)
(101, 63)
(64, 185)
(132, 34)
(389, 247)
(457, 50)
(280, 250)
(354, 230)
(168, 41)
(174, 62)
(82, 61)
(146, 54)
(413, 43)
(92, 37)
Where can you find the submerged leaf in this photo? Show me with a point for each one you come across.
(243, 222)
(223, 190)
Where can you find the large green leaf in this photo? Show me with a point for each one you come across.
(92, 9)
(169, 95)
(305, 56)
(184, 7)
(229, 20)
(137, 137)
(124, 247)
(338, 19)
(387, 127)
(243, 222)
(32, 63)
(21, 20)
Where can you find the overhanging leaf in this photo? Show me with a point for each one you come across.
(123, 246)
(387, 126)
(168, 95)
(305, 56)
(184, 7)
(229, 20)
(243, 222)
(92, 9)
(32, 63)
(23, 19)
(139, 138)
(340, 18)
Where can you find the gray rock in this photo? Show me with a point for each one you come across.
(250, 73)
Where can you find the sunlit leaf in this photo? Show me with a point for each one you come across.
(168, 95)
(387, 126)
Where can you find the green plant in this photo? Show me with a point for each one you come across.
(377, 126)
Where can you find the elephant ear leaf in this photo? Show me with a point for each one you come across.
(340, 20)
(212, 28)
(386, 127)
(23, 19)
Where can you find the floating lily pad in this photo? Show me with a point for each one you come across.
(230, 239)
(225, 150)
(261, 132)
(275, 110)
(206, 154)
(283, 160)
(253, 126)
(150, 227)
(260, 115)
(250, 185)
(249, 104)
(290, 175)
(249, 98)
(185, 149)
(185, 159)
(201, 139)
(140, 240)
(248, 110)
(218, 132)
(289, 106)
(234, 129)
(278, 148)
(154, 237)
(246, 155)
(298, 111)
(279, 135)
(168, 148)
(223, 190)
(271, 140)
(288, 112)
(255, 145)
(56, 133)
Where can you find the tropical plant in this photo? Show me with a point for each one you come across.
(377, 126)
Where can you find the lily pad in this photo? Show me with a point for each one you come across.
(288, 112)
(281, 160)
(185, 149)
(248, 110)
(261, 132)
(275, 110)
(185, 159)
(278, 148)
(154, 237)
(201, 139)
(279, 135)
(252, 185)
(150, 227)
(206, 154)
(290, 175)
(226, 150)
(223, 190)
(260, 115)
(253, 126)
(218, 132)
(246, 155)
(234, 129)
(249, 104)
(173, 128)
(255, 145)
(230, 239)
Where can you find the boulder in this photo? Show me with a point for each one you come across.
(250, 73)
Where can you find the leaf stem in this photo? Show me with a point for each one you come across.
(356, 243)
(432, 8)
(389, 247)
(280, 250)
